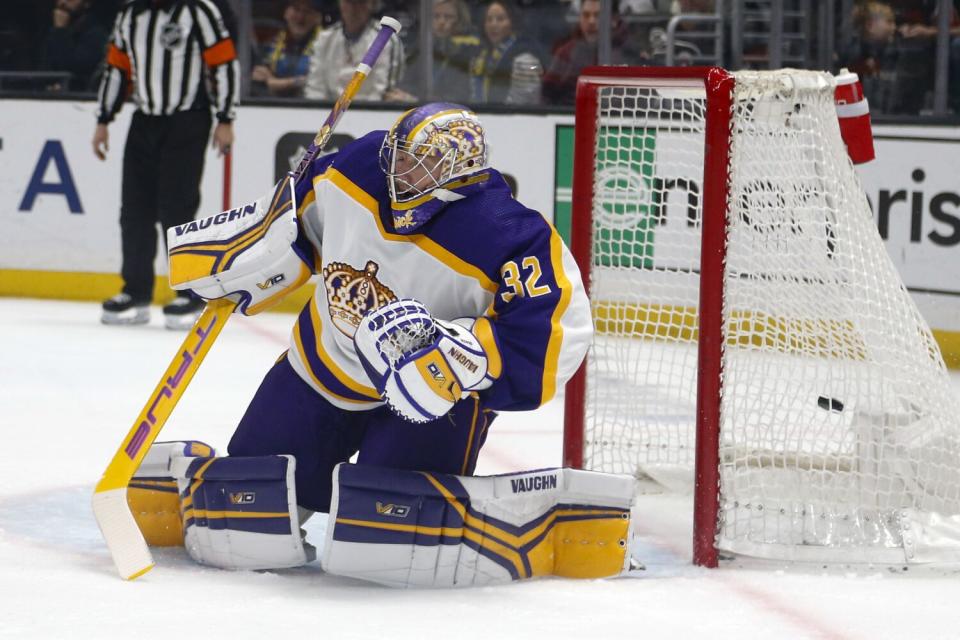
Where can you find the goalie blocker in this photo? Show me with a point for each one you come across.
(394, 527)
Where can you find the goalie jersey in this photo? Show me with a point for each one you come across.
(485, 256)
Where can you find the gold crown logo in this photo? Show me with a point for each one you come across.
(463, 134)
(352, 293)
(404, 221)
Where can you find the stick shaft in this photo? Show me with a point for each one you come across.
(388, 28)
(128, 548)
(166, 395)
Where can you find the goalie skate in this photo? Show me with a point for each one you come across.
(182, 313)
(123, 309)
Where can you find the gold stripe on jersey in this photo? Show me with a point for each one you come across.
(551, 362)
(306, 202)
(483, 331)
(313, 376)
(428, 245)
(309, 199)
(331, 364)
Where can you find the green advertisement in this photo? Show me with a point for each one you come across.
(626, 190)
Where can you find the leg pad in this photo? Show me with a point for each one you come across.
(407, 528)
(152, 494)
(241, 512)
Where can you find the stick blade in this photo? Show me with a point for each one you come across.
(129, 550)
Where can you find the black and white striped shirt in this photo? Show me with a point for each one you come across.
(177, 54)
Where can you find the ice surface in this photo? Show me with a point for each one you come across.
(70, 388)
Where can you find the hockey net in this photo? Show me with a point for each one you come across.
(776, 357)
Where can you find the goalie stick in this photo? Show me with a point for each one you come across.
(126, 543)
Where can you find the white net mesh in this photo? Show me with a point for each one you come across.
(839, 428)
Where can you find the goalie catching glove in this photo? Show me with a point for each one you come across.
(248, 253)
(420, 365)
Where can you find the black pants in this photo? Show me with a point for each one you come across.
(162, 167)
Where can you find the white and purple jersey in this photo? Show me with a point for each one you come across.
(485, 256)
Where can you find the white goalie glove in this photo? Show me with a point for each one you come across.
(420, 365)
(247, 253)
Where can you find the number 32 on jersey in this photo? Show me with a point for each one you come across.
(523, 280)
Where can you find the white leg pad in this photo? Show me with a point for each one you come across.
(417, 529)
(241, 512)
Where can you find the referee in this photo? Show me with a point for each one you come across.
(177, 59)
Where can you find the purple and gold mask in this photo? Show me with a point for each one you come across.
(430, 156)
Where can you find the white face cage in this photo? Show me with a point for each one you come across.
(415, 169)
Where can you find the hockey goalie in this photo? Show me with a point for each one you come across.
(440, 301)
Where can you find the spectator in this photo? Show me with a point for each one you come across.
(546, 21)
(918, 28)
(21, 23)
(454, 45)
(329, 11)
(579, 51)
(166, 143)
(285, 61)
(75, 43)
(635, 7)
(340, 48)
(873, 54)
(508, 68)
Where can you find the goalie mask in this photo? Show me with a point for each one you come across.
(429, 157)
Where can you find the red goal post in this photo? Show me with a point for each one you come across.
(718, 85)
(753, 338)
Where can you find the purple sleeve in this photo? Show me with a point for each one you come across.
(535, 296)
(304, 186)
(303, 191)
